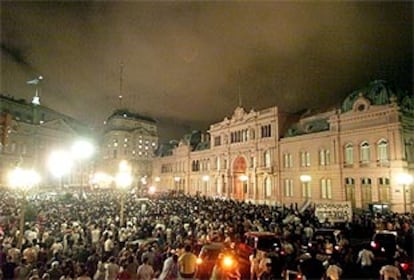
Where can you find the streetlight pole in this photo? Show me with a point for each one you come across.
(123, 181)
(23, 205)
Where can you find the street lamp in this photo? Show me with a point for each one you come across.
(123, 180)
(405, 179)
(82, 150)
(60, 163)
(306, 191)
(23, 180)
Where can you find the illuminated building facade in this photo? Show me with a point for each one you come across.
(132, 138)
(29, 132)
(354, 153)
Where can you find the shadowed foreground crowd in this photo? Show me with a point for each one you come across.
(79, 236)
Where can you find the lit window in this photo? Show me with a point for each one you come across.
(324, 157)
(365, 152)
(326, 189)
(288, 187)
(306, 190)
(305, 159)
(349, 154)
(267, 159)
(268, 187)
(382, 150)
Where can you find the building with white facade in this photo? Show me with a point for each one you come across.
(132, 138)
(358, 153)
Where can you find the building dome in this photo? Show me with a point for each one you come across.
(378, 92)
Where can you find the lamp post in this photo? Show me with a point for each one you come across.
(82, 150)
(123, 181)
(405, 180)
(23, 180)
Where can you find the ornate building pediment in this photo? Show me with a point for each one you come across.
(239, 114)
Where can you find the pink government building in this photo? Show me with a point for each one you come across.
(361, 153)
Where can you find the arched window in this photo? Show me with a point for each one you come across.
(267, 159)
(365, 152)
(382, 150)
(267, 187)
(349, 154)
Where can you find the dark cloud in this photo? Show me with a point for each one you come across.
(185, 63)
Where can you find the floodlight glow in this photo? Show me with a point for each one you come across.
(60, 163)
(151, 190)
(243, 178)
(124, 166)
(23, 179)
(305, 178)
(404, 179)
(82, 149)
(123, 180)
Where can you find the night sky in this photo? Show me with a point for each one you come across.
(185, 63)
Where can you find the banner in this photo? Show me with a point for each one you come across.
(334, 212)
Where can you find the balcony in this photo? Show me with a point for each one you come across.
(383, 163)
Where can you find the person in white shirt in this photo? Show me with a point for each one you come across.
(95, 235)
(366, 257)
(108, 246)
(390, 272)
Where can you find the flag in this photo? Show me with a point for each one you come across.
(35, 81)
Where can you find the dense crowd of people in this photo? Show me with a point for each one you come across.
(80, 236)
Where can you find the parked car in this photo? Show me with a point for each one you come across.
(384, 244)
(263, 242)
